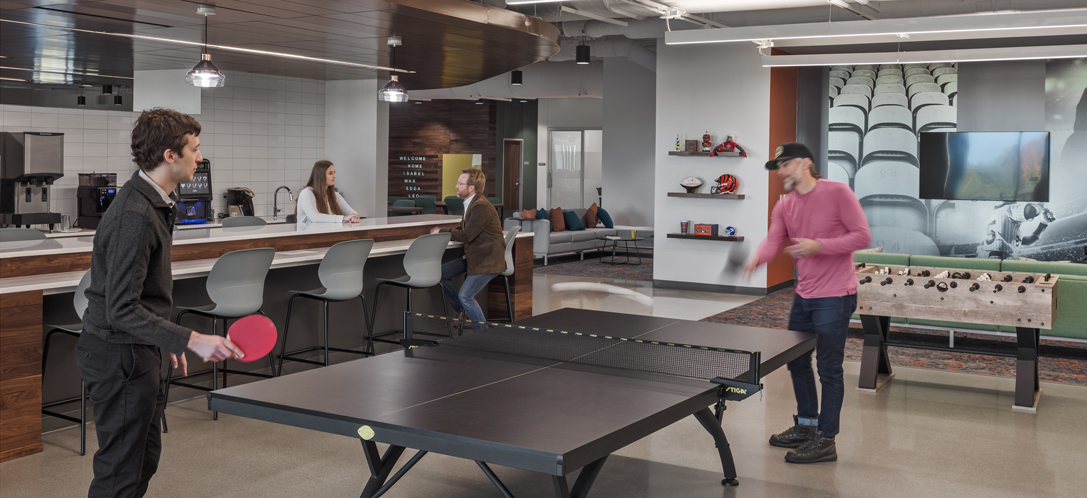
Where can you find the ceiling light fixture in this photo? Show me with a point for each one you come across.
(81, 101)
(582, 54)
(941, 28)
(107, 89)
(393, 91)
(65, 72)
(204, 74)
(930, 56)
(117, 100)
(516, 77)
(479, 101)
(206, 46)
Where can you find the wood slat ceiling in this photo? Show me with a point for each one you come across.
(447, 42)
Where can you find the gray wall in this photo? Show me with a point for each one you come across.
(357, 142)
(813, 111)
(1001, 96)
(629, 129)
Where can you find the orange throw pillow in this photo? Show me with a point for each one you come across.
(528, 214)
(590, 217)
(558, 224)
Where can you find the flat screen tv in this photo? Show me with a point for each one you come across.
(985, 166)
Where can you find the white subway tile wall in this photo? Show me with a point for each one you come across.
(258, 132)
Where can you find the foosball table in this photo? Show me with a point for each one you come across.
(1025, 301)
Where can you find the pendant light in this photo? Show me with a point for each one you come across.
(582, 54)
(81, 101)
(516, 77)
(117, 100)
(204, 74)
(393, 91)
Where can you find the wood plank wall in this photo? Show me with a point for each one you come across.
(20, 374)
(434, 128)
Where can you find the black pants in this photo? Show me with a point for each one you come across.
(125, 384)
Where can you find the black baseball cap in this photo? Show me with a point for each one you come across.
(784, 152)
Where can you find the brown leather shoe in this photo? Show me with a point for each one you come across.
(794, 436)
(817, 449)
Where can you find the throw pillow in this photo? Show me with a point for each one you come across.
(528, 214)
(572, 222)
(605, 218)
(558, 223)
(590, 217)
(541, 214)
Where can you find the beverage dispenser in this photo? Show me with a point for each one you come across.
(29, 164)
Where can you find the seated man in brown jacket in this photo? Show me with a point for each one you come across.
(484, 247)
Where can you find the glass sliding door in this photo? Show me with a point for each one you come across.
(575, 171)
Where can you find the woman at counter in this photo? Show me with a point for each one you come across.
(319, 202)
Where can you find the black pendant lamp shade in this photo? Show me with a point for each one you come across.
(117, 100)
(81, 101)
(204, 74)
(516, 77)
(582, 54)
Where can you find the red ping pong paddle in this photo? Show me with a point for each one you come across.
(255, 336)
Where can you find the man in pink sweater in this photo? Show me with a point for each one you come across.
(823, 222)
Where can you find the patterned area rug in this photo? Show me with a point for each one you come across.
(573, 266)
(1064, 362)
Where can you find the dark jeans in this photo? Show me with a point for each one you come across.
(125, 384)
(465, 298)
(828, 318)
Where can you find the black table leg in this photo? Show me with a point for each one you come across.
(874, 360)
(1026, 370)
(713, 426)
(380, 466)
(584, 481)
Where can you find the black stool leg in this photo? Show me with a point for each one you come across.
(326, 331)
(286, 327)
(373, 319)
(83, 417)
(215, 367)
(271, 357)
(169, 380)
(509, 302)
(366, 320)
(406, 315)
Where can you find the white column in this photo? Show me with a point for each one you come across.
(357, 142)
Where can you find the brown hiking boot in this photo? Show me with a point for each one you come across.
(792, 437)
(817, 449)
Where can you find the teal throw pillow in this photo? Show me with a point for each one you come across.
(572, 222)
(605, 218)
(541, 214)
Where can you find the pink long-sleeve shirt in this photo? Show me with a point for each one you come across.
(830, 214)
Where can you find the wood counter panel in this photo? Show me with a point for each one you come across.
(520, 286)
(63, 263)
(20, 374)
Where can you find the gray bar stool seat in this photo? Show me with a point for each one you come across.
(20, 234)
(243, 221)
(423, 268)
(236, 288)
(510, 235)
(80, 302)
(341, 272)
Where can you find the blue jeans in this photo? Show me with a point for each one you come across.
(465, 299)
(828, 318)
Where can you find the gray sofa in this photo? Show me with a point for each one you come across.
(570, 242)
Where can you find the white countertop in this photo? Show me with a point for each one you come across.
(57, 283)
(84, 232)
(203, 234)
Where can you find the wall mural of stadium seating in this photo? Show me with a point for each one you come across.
(877, 113)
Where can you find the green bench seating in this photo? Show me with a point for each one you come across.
(1071, 319)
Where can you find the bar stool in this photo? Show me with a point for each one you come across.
(341, 279)
(80, 302)
(510, 235)
(236, 288)
(423, 265)
(20, 234)
(243, 221)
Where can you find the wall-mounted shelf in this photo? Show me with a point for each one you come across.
(685, 153)
(705, 237)
(707, 196)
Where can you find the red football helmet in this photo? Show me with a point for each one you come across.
(726, 184)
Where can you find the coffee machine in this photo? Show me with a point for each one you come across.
(95, 193)
(29, 164)
(239, 201)
(194, 198)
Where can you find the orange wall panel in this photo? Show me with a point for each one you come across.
(783, 81)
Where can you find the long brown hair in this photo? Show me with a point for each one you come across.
(325, 194)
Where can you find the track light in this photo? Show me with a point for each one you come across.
(117, 100)
(393, 91)
(107, 89)
(479, 101)
(516, 77)
(81, 101)
(204, 74)
(582, 54)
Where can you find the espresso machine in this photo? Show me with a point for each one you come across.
(29, 164)
(194, 198)
(239, 201)
(94, 194)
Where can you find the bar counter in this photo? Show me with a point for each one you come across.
(37, 280)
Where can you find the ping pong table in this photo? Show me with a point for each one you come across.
(551, 394)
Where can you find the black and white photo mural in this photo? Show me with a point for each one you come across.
(878, 114)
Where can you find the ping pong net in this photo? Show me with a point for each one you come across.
(599, 349)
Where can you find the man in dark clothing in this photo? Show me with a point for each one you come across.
(484, 247)
(130, 300)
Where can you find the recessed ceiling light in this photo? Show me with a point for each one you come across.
(66, 72)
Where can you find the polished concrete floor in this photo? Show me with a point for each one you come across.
(929, 433)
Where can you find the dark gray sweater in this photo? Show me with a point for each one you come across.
(130, 296)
